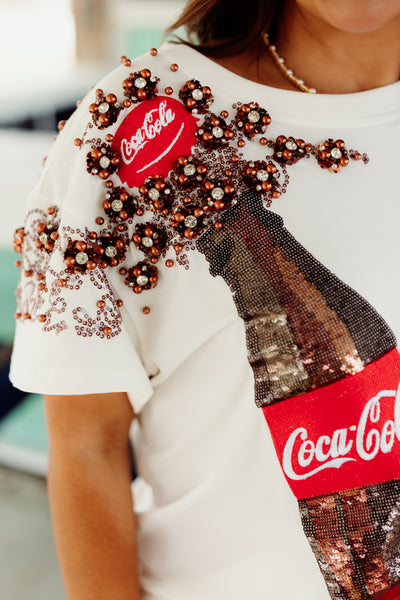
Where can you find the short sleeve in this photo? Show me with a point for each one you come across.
(74, 334)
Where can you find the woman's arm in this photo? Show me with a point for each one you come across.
(90, 497)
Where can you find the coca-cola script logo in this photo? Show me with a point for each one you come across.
(151, 137)
(344, 435)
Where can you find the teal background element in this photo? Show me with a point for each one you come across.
(139, 41)
(9, 280)
(25, 425)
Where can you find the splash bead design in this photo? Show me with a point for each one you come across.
(188, 172)
(158, 194)
(251, 119)
(261, 177)
(102, 161)
(46, 237)
(19, 235)
(288, 150)
(111, 247)
(108, 249)
(143, 276)
(217, 195)
(150, 239)
(188, 220)
(332, 155)
(214, 132)
(119, 205)
(196, 97)
(140, 86)
(105, 110)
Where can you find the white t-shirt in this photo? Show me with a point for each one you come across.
(223, 522)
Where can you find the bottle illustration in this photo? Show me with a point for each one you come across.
(326, 375)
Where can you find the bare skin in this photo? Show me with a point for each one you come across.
(357, 43)
(90, 497)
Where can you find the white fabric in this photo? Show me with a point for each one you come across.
(223, 523)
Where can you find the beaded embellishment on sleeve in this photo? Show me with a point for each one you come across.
(171, 166)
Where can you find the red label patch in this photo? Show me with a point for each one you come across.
(343, 435)
(151, 137)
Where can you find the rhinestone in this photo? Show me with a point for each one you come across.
(189, 170)
(94, 171)
(154, 194)
(197, 94)
(322, 147)
(291, 145)
(104, 162)
(190, 221)
(217, 193)
(218, 132)
(81, 258)
(117, 205)
(336, 153)
(262, 175)
(140, 83)
(142, 280)
(103, 108)
(111, 251)
(253, 116)
(43, 238)
(271, 351)
(147, 242)
(240, 124)
(279, 320)
(107, 196)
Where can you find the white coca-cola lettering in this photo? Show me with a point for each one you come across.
(332, 451)
(152, 126)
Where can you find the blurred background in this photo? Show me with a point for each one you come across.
(51, 52)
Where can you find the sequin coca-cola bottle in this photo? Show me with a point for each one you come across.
(327, 374)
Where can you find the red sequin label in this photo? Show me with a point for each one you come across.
(151, 137)
(343, 435)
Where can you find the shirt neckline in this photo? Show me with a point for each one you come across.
(376, 105)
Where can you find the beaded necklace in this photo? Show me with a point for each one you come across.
(288, 73)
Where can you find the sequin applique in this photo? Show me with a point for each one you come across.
(326, 372)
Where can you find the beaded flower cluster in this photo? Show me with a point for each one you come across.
(199, 187)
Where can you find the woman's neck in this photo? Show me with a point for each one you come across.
(326, 58)
(335, 61)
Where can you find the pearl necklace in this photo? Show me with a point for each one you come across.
(288, 73)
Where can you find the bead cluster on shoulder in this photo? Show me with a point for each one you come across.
(171, 169)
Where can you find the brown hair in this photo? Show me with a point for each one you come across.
(223, 27)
